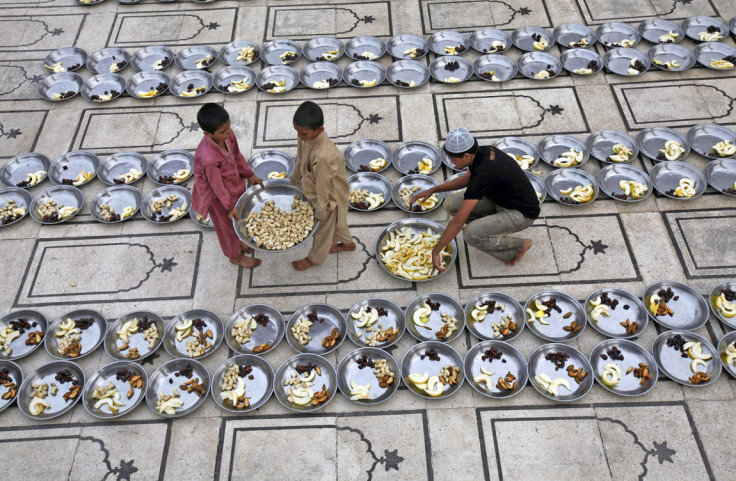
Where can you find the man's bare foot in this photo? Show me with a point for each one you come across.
(246, 262)
(341, 247)
(525, 247)
(302, 264)
(245, 248)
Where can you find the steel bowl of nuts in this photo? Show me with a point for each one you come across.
(115, 390)
(305, 383)
(255, 329)
(195, 333)
(11, 378)
(368, 375)
(266, 211)
(177, 388)
(242, 383)
(31, 328)
(134, 336)
(316, 328)
(75, 334)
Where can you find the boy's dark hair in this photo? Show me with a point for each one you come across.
(309, 115)
(472, 150)
(211, 117)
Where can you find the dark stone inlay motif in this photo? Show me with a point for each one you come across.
(595, 12)
(39, 32)
(469, 15)
(187, 27)
(342, 20)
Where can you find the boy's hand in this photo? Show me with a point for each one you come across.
(254, 179)
(234, 213)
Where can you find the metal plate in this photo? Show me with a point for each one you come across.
(364, 70)
(234, 73)
(190, 79)
(651, 139)
(401, 43)
(427, 332)
(71, 164)
(531, 63)
(276, 73)
(618, 60)
(315, 48)
(145, 82)
(420, 225)
(666, 176)
(455, 176)
(91, 338)
(117, 164)
(372, 182)
(348, 370)
(271, 333)
(652, 29)
(633, 354)
(449, 163)
(103, 84)
(144, 59)
(185, 198)
(537, 364)
(106, 375)
(282, 193)
(732, 25)
(213, 323)
(610, 326)
(690, 309)
(327, 378)
(669, 52)
(272, 50)
(118, 197)
(676, 367)
(562, 179)
(512, 362)
(394, 319)
(611, 34)
(188, 58)
(20, 349)
(610, 176)
(46, 374)
(258, 389)
(703, 137)
(721, 175)
(538, 185)
(699, 23)
(113, 341)
(482, 40)
(16, 169)
(15, 373)
(522, 38)
(413, 362)
(570, 34)
(424, 182)
(580, 58)
(168, 162)
(514, 146)
(357, 47)
(407, 71)
(443, 39)
(333, 318)
(503, 68)
(102, 60)
(21, 198)
(64, 195)
(199, 221)
(407, 156)
(707, 51)
(438, 69)
(165, 380)
(71, 58)
(319, 72)
(600, 144)
(554, 331)
(361, 152)
(484, 329)
(553, 146)
(60, 83)
(727, 339)
(231, 51)
(272, 161)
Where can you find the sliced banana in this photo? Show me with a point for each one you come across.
(276, 175)
(621, 153)
(672, 150)
(686, 188)
(541, 44)
(425, 165)
(246, 54)
(280, 86)
(377, 164)
(56, 68)
(725, 148)
(669, 37)
(571, 158)
(146, 95)
(181, 174)
(204, 62)
(722, 64)
(710, 37)
(541, 75)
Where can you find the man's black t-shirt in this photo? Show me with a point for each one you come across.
(502, 181)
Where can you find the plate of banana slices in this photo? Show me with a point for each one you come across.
(67, 59)
(326, 49)
(432, 370)
(155, 57)
(14, 204)
(727, 352)
(277, 79)
(581, 61)
(539, 65)
(612, 146)
(234, 79)
(490, 40)
(171, 167)
(624, 182)
(495, 369)
(532, 39)
(108, 60)
(712, 141)
(197, 57)
(701, 28)
(675, 305)
(678, 180)
(632, 372)
(177, 388)
(448, 42)
(368, 376)
(563, 151)
(574, 35)
(364, 74)
(25, 170)
(524, 152)
(722, 302)
(115, 204)
(369, 191)
(32, 323)
(671, 57)
(721, 175)
(494, 67)
(305, 383)
(628, 62)
(615, 312)
(416, 157)
(617, 34)
(560, 372)
(75, 334)
(494, 316)
(272, 164)
(321, 75)
(571, 186)
(58, 87)
(365, 47)
(407, 46)
(115, 390)
(451, 69)
(56, 204)
(103, 87)
(280, 51)
(42, 396)
(239, 52)
(716, 56)
(191, 83)
(686, 358)
(375, 322)
(435, 317)
(74, 168)
(122, 168)
(662, 143)
(661, 31)
(368, 155)
(134, 336)
(407, 74)
(554, 316)
(147, 84)
(407, 186)
(242, 383)
(194, 334)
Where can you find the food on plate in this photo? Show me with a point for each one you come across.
(540, 42)
(635, 67)
(571, 158)
(11, 212)
(406, 253)
(620, 153)
(669, 37)
(273, 228)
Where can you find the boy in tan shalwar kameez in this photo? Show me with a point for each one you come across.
(320, 169)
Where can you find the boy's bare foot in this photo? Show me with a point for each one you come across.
(525, 247)
(246, 262)
(341, 247)
(302, 264)
(245, 248)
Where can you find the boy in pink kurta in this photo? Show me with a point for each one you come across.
(219, 173)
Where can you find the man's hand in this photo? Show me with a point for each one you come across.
(420, 196)
(437, 260)
(255, 180)
(234, 213)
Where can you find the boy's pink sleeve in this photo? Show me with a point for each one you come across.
(214, 179)
(243, 168)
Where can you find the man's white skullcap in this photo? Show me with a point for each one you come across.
(459, 140)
